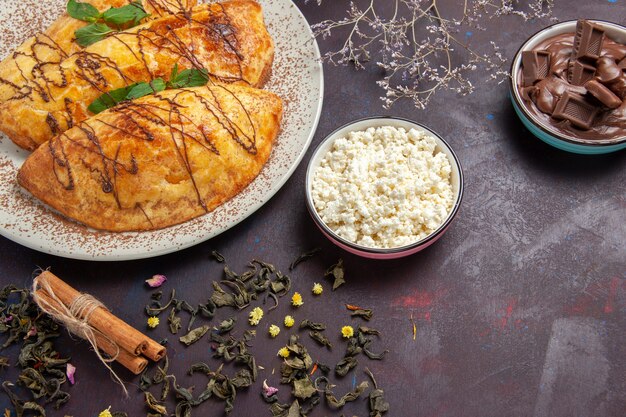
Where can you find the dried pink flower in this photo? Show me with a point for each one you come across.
(267, 390)
(31, 332)
(156, 281)
(69, 371)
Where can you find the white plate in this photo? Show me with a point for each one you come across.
(297, 77)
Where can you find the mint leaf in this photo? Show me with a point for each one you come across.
(188, 78)
(110, 99)
(92, 33)
(131, 13)
(143, 89)
(82, 11)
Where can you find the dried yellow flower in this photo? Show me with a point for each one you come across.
(274, 330)
(255, 316)
(296, 299)
(153, 322)
(289, 321)
(347, 331)
(106, 413)
(317, 288)
(283, 352)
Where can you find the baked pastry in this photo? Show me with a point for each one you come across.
(158, 160)
(56, 43)
(227, 39)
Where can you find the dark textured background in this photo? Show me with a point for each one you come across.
(520, 307)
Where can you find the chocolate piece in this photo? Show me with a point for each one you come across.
(607, 70)
(578, 73)
(535, 66)
(574, 108)
(618, 87)
(603, 94)
(588, 41)
(622, 64)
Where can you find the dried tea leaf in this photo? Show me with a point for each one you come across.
(194, 335)
(357, 311)
(303, 388)
(321, 339)
(348, 397)
(175, 322)
(285, 410)
(217, 256)
(343, 366)
(377, 404)
(221, 298)
(281, 284)
(303, 257)
(273, 297)
(153, 404)
(336, 271)
(155, 307)
(308, 324)
(226, 326)
(19, 405)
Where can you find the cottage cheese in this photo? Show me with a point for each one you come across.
(383, 187)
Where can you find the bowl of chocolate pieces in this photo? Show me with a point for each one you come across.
(568, 86)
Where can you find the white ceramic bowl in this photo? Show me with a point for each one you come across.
(380, 253)
(544, 131)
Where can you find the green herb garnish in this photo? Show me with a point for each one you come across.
(102, 24)
(187, 78)
(92, 33)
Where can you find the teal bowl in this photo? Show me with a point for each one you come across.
(543, 131)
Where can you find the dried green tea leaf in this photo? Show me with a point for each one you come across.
(336, 271)
(207, 310)
(377, 404)
(4, 362)
(273, 297)
(153, 404)
(155, 307)
(321, 339)
(194, 335)
(19, 405)
(363, 312)
(218, 257)
(174, 321)
(281, 284)
(303, 388)
(308, 324)
(221, 298)
(242, 379)
(285, 410)
(226, 326)
(348, 397)
(343, 366)
(303, 257)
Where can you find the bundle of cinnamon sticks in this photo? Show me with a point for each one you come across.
(113, 336)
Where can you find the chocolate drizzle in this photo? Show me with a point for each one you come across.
(138, 117)
(193, 40)
(45, 51)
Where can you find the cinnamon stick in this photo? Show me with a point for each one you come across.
(135, 364)
(125, 336)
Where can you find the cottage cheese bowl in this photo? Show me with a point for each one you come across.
(383, 187)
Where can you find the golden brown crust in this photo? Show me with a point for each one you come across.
(159, 160)
(58, 42)
(228, 39)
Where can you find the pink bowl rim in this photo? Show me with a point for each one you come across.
(400, 250)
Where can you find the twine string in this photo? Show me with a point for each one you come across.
(75, 318)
